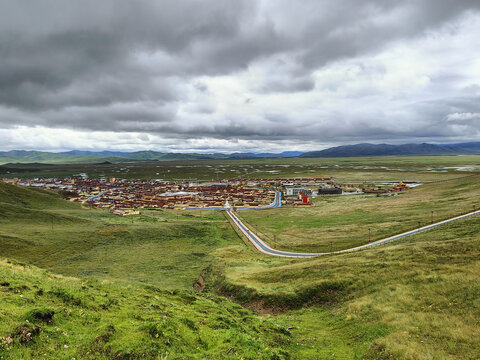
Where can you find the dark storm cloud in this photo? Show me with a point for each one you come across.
(90, 44)
(137, 65)
(119, 117)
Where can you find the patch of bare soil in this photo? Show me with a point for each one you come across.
(25, 333)
(200, 283)
(260, 307)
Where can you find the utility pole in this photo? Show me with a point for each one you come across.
(419, 224)
(274, 241)
(432, 216)
(369, 234)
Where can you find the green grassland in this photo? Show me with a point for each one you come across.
(341, 222)
(415, 298)
(51, 317)
(41, 157)
(418, 296)
(422, 168)
(164, 248)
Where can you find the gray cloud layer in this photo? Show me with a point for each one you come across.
(252, 70)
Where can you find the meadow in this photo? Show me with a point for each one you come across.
(53, 317)
(344, 221)
(161, 247)
(415, 298)
(422, 168)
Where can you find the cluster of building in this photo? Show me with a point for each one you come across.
(399, 187)
(300, 196)
(124, 196)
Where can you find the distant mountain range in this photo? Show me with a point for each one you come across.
(149, 155)
(396, 150)
(81, 156)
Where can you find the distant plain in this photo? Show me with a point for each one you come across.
(414, 298)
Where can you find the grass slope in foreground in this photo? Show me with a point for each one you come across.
(165, 248)
(416, 298)
(419, 297)
(52, 317)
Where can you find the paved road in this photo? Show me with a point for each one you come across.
(263, 247)
(277, 202)
(408, 233)
(260, 244)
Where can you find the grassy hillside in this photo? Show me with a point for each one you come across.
(32, 198)
(165, 248)
(367, 149)
(419, 296)
(47, 316)
(170, 248)
(340, 222)
(21, 156)
(415, 298)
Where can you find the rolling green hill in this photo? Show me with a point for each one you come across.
(22, 156)
(171, 248)
(48, 316)
(415, 298)
(134, 280)
(418, 297)
(76, 156)
(357, 150)
(160, 249)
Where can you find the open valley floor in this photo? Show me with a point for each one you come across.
(81, 279)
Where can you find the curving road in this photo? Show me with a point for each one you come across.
(263, 247)
(277, 202)
(408, 233)
(260, 244)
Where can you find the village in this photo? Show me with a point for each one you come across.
(126, 196)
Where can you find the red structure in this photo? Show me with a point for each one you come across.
(304, 198)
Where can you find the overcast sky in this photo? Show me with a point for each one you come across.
(253, 75)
